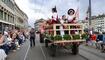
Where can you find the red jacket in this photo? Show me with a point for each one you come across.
(93, 37)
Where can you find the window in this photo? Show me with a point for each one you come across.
(6, 1)
(2, 0)
(5, 16)
(8, 18)
(1, 14)
(13, 19)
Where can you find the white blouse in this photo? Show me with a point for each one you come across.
(54, 16)
(62, 21)
(2, 54)
(70, 18)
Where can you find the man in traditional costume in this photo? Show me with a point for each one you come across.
(54, 15)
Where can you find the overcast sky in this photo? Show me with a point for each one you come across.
(36, 9)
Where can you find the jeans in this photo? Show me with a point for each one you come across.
(32, 41)
(20, 41)
(6, 48)
(13, 46)
(103, 47)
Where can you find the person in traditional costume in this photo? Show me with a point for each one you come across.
(61, 27)
(64, 18)
(54, 15)
(71, 16)
(63, 21)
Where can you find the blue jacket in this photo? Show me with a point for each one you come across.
(101, 37)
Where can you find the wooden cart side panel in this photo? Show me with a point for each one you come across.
(81, 28)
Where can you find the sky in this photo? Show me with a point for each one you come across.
(36, 9)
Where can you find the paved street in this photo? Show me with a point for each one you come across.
(39, 52)
(66, 22)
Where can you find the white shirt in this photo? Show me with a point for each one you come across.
(9, 40)
(5, 33)
(2, 54)
(62, 21)
(54, 16)
(70, 18)
(61, 28)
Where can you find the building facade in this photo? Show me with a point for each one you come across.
(98, 24)
(21, 19)
(37, 24)
(85, 23)
(11, 16)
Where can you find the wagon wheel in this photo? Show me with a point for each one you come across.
(75, 49)
(46, 43)
(53, 49)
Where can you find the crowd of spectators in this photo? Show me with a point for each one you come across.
(11, 40)
(97, 41)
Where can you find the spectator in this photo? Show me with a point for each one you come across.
(1, 38)
(3, 44)
(87, 39)
(93, 39)
(2, 54)
(24, 35)
(99, 41)
(14, 35)
(20, 37)
(102, 43)
(5, 32)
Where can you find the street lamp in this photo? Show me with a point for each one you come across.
(90, 28)
(89, 12)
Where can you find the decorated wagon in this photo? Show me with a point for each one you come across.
(64, 33)
(68, 38)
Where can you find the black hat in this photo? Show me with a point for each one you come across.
(54, 9)
(71, 11)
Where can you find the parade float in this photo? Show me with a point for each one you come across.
(63, 33)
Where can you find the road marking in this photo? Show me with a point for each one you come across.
(83, 56)
(44, 55)
(42, 52)
(93, 53)
(26, 53)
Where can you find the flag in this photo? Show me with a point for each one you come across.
(77, 14)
